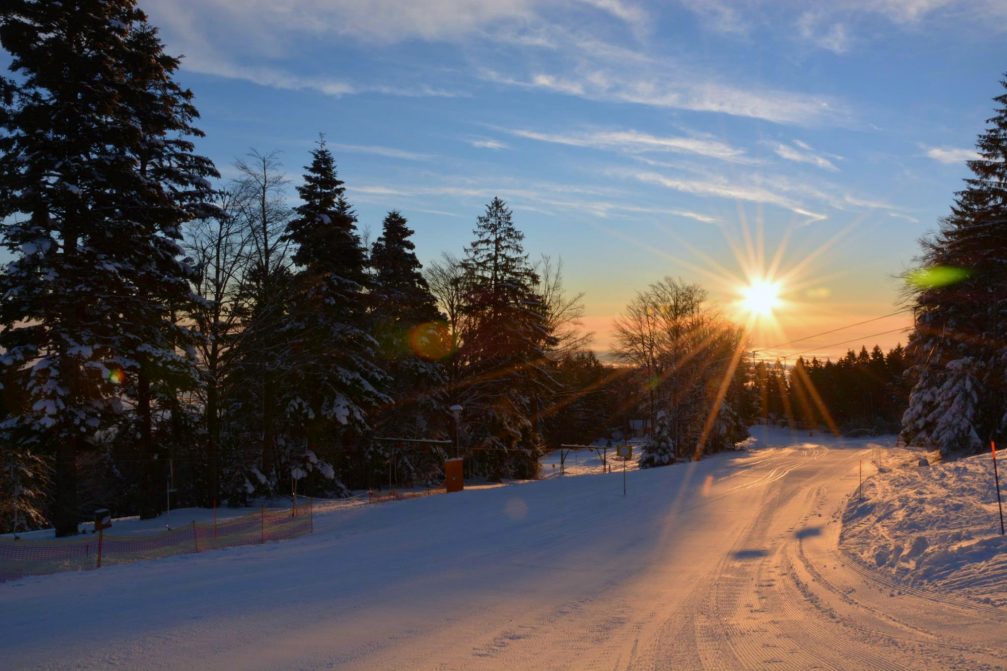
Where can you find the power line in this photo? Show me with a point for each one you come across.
(846, 342)
(835, 330)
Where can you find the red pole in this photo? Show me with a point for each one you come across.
(195, 536)
(262, 525)
(311, 516)
(996, 479)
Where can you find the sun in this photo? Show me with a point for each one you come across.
(761, 297)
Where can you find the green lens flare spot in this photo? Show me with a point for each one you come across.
(937, 276)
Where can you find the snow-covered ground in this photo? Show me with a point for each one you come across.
(932, 525)
(596, 460)
(730, 562)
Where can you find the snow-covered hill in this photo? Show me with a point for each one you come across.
(932, 525)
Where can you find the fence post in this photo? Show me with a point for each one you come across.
(262, 524)
(101, 537)
(195, 536)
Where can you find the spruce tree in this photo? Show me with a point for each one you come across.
(960, 301)
(97, 173)
(332, 379)
(411, 334)
(507, 380)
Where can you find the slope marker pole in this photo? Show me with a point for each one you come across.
(996, 480)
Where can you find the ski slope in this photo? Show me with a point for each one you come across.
(732, 562)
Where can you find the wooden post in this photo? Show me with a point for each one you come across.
(624, 460)
(101, 538)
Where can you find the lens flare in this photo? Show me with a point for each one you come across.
(116, 376)
(937, 276)
(431, 341)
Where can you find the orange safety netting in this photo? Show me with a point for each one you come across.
(20, 558)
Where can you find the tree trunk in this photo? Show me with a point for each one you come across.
(152, 480)
(212, 444)
(64, 484)
(268, 432)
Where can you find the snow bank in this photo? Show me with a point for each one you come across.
(931, 526)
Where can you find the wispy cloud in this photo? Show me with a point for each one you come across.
(487, 143)
(269, 77)
(697, 93)
(553, 199)
(905, 217)
(260, 41)
(799, 152)
(632, 141)
(839, 26)
(388, 152)
(722, 188)
(832, 36)
(286, 80)
(951, 154)
(718, 15)
(384, 21)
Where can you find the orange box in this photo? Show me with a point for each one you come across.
(454, 475)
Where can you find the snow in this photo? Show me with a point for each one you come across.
(730, 562)
(589, 461)
(936, 525)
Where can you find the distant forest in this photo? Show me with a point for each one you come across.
(865, 392)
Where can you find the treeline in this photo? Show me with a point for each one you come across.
(171, 339)
(861, 392)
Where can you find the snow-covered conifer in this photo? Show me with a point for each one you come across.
(97, 173)
(332, 380)
(960, 301)
(504, 346)
(411, 334)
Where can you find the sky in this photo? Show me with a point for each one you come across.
(714, 142)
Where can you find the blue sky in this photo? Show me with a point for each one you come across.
(699, 139)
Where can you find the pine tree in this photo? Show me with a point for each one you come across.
(332, 378)
(961, 305)
(503, 351)
(96, 176)
(400, 294)
(411, 334)
(661, 449)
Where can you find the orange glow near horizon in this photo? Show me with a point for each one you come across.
(808, 292)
